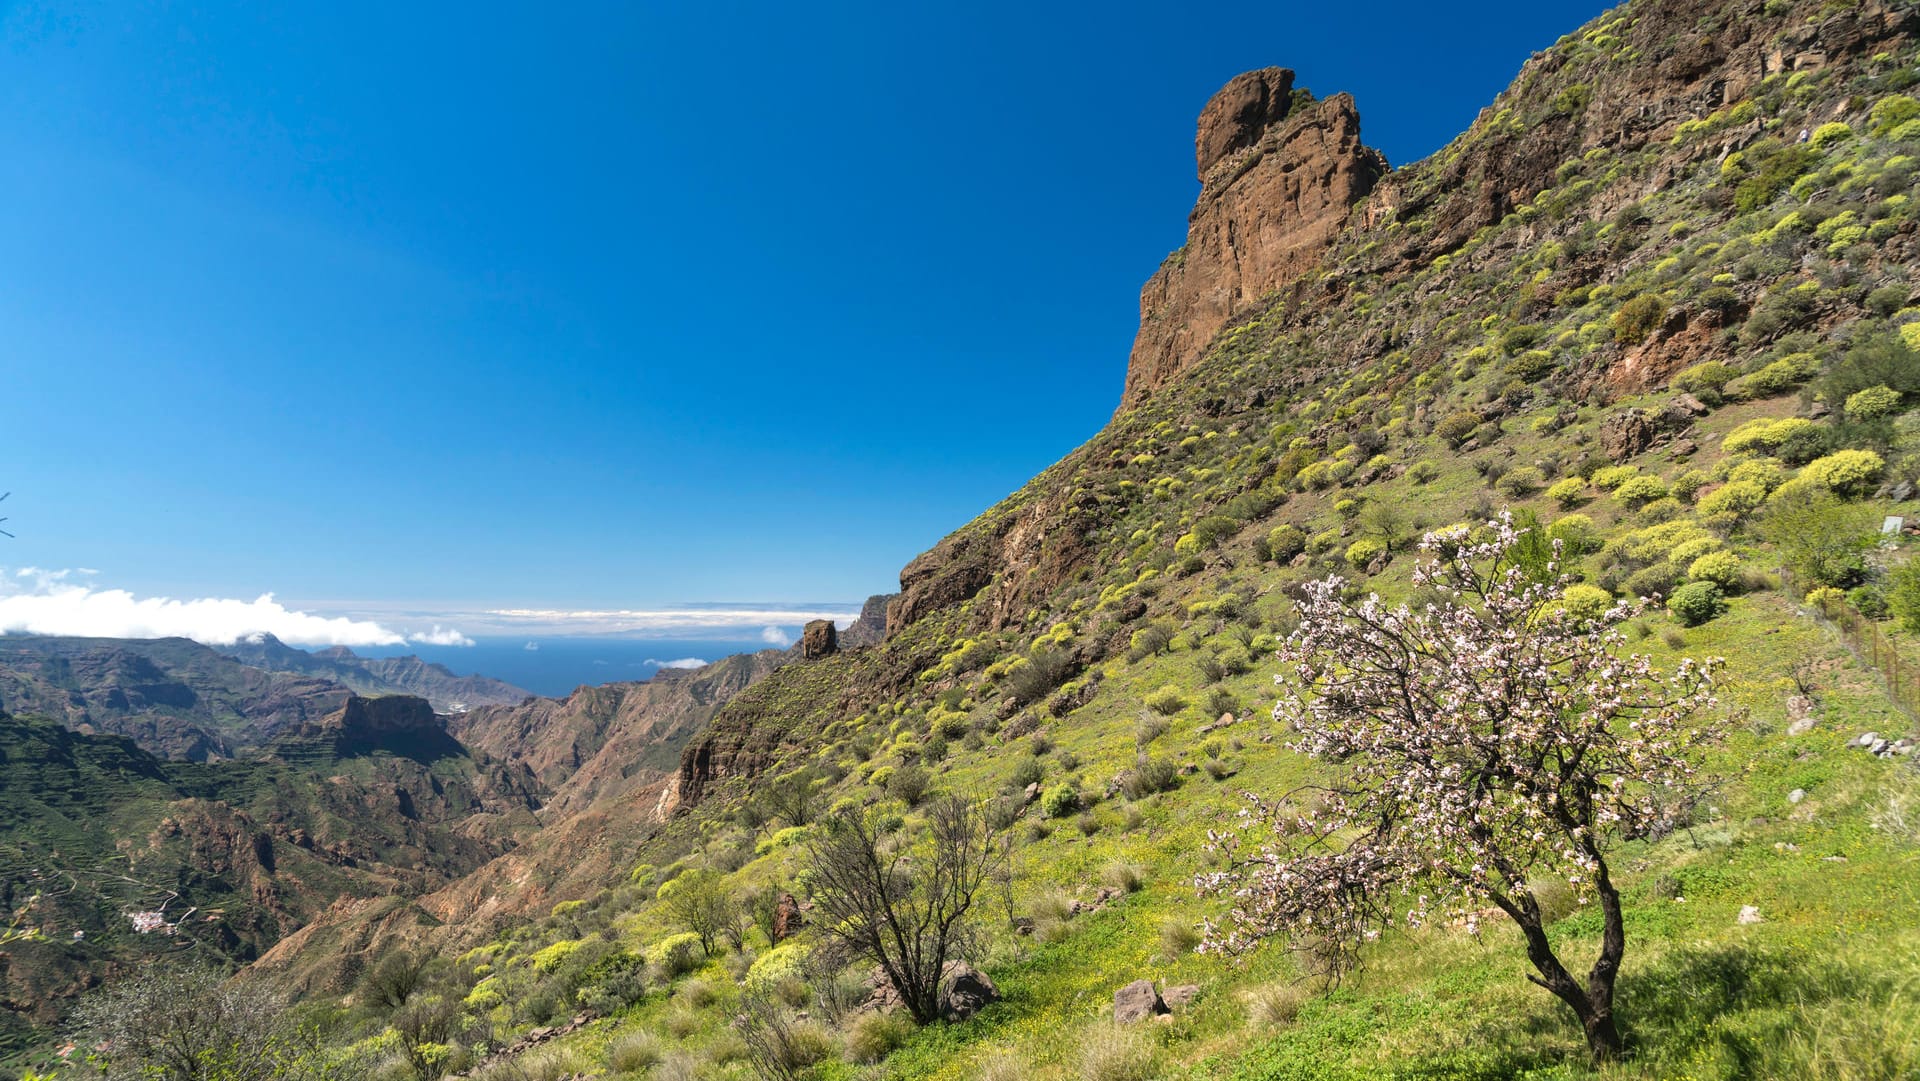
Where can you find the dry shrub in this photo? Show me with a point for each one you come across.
(1109, 1052)
(874, 1036)
(1123, 876)
(1177, 938)
(1273, 1005)
(633, 1051)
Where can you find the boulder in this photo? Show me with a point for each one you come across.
(964, 990)
(1626, 434)
(819, 639)
(1180, 997)
(1137, 1001)
(1691, 405)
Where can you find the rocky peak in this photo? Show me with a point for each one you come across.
(1240, 113)
(1279, 175)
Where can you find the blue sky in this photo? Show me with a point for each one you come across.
(408, 311)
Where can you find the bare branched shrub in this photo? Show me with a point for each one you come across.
(779, 1045)
(905, 908)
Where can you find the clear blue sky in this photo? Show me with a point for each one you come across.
(585, 306)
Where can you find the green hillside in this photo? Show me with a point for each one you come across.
(1666, 331)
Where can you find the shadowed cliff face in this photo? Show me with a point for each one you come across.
(1279, 174)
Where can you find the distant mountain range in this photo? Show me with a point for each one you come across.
(183, 700)
(436, 683)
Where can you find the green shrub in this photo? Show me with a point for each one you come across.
(1688, 484)
(1763, 434)
(1706, 379)
(1869, 601)
(1777, 377)
(1822, 539)
(1607, 478)
(1363, 552)
(1664, 509)
(1762, 171)
(1521, 483)
(1584, 601)
(1422, 471)
(1166, 701)
(908, 784)
(1829, 133)
(1890, 112)
(1530, 366)
(1637, 318)
(1873, 403)
(676, 955)
(1148, 776)
(1576, 534)
(1519, 337)
(1695, 603)
(1285, 542)
(1455, 429)
(1568, 492)
(1060, 801)
(1720, 568)
(1737, 498)
(1638, 491)
(1903, 595)
(1846, 472)
(1323, 541)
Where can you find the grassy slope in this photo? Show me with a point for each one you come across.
(1825, 986)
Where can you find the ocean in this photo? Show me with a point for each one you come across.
(555, 666)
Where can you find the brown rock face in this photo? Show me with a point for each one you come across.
(1277, 185)
(787, 919)
(819, 639)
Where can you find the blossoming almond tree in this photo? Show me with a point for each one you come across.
(1482, 743)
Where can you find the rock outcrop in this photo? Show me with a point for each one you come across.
(1279, 175)
(818, 639)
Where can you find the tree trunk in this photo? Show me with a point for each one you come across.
(1603, 1039)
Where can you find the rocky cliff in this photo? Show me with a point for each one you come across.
(1279, 176)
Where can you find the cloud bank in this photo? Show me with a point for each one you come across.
(36, 601)
(684, 662)
(765, 621)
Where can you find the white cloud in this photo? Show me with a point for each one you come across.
(705, 621)
(776, 636)
(440, 636)
(684, 662)
(46, 603)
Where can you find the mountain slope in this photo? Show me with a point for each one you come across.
(372, 800)
(173, 696)
(1632, 301)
